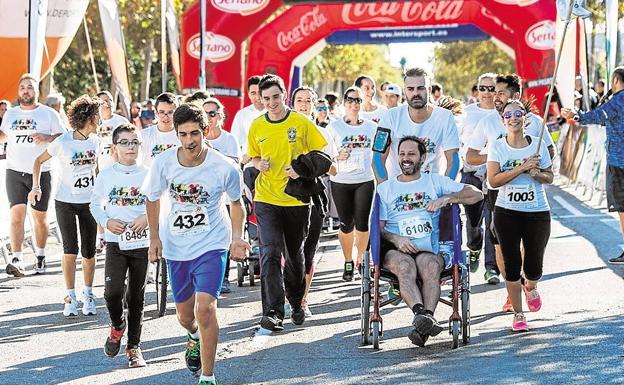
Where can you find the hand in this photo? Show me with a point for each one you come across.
(139, 224)
(531, 162)
(34, 196)
(263, 165)
(344, 154)
(155, 250)
(291, 173)
(567, 113)
(246, 158)
(115, 226)
(239, 249)
(437, 204)
(404, 245)
(41, 138)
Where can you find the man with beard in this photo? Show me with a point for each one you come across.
(435, 126)
(27, 129)
(409, 216)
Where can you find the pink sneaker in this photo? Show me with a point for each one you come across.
(508, 307)
(519, 323)
(533, 299)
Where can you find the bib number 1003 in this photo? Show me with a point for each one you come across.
(526, 196)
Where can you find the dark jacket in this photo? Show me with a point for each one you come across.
(308, 186)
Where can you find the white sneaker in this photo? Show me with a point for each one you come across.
(16, 268)
(40, 266)
(151, 273)
(306, 309)
(287, 309)
(88, 305)
(71, 307)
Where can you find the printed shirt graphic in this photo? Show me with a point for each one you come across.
(439, 132)
(404, 203)
(105, 132)
(195, 192)
(78, 161)
(19, 125)
(154, 142)
(523, 193)
(358, 139)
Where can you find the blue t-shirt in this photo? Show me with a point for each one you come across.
(611, 115)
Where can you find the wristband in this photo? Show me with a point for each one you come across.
(36, 189)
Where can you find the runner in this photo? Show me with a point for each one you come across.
(321, 116)
(392, 95)
(161, 136)
(434, 125)
(275, 140)
(353, 186)
(522, 213)
(371, 110)
(243, 118)
(27, 129)
(196, 233)
(118, 205)
(77, 152)
(436, 92)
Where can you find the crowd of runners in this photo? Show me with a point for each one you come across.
(174, 190)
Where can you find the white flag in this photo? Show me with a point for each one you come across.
(37, 21)
(612, 35)
(174, 41)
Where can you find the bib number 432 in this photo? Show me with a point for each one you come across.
(189, 221)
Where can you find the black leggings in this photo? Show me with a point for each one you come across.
(312, 240)
(120, 263)
(353, 203)
(530, 229)
(66, 214)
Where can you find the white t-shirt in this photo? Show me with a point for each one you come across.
(359, 139)
(439, 132)
(105, 132)
(197, 220)
(472, 115)
(226, 144)
(19, 125)
(78, 162)
(242, 122)
(331, 148)
(154, 141)
(376, 115)
(534, 127)
(489, 129)
(403, 208)
(118, 195)
(523, 193)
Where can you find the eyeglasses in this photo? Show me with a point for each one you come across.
(321, 108)
(212, 114)
(515, 114)
(487, 88)
(349, 99)
(163, 113)
(128, 143)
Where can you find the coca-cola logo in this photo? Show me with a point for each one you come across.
(218, 47)
(244, 7)
(308, 23)
(408, 11)
(542, 35)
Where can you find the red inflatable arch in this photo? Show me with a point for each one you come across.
(526, 26)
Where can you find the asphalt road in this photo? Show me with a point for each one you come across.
(575, 339)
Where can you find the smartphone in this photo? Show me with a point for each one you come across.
(382, 140)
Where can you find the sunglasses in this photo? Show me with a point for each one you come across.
(487, 88)
(349, 99)
(212, 114)
(128, 143)
(321, 108)
(515, 114)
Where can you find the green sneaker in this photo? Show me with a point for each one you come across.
(491, 277)
(395, 295)
(204, 382)
(192, 354)
(473, 257)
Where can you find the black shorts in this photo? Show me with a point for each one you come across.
(615, 188)
(66, 214)
(19, 184)
(353, 203)
(490, 202)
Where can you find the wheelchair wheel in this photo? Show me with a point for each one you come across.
(376, 333)
(455, 329)
(465, 304)
(240, 270)
(365, 310)
(161, 287)
(252, 278)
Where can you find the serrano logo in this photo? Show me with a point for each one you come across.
(409, 11)
(308, 23)
(244, 7)
(218, 47)
(542, 35)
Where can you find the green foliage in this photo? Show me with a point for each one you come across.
(456, 66)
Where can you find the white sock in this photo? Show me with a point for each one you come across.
(100, 236)
(207, 378)
(17, 254)
(195, 335)
(40, 252)
(88, 291)
(71, 293)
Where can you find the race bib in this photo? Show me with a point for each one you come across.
(82, 182)
(416, 227)
(132, 240)
(24, 137)
(521, 196)
(355, 163)
(188, 220)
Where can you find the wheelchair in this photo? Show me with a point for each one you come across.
(250, 266)
(458, 273)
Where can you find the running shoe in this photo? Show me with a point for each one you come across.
(423, 323)
(88, 305)
(113, 342)
(135, 358)
(394, 295)
(491, 276)
(151, 273)
(71, 307)
(272, 322)
(287, 309)
(298, 316)
(40, 266)
(192, 354)
(101, 245)
(519, 323)
(473, 257)
(617, 260)
(16, 268)
(533, 299)
(508, 307)
(306, 308)
(205, 382)
(417, 338)
(347, 274)
(225, 287)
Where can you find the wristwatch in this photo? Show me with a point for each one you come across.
(576, 117)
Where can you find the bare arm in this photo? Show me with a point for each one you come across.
(153, 212)
(3, 137)
(473, 157)
(468, 195)
(35, 192)
(545, 176)
(238, 247)
(403, 244)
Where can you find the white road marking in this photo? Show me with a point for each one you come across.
(566, 205)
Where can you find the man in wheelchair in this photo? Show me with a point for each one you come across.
(409, 217)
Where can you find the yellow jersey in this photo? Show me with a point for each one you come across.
(280, 142)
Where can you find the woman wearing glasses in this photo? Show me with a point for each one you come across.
(118, 205)
(78, 152)
(353, 187)
(522, 212)
(221, 140)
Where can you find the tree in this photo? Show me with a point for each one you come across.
(457, 65)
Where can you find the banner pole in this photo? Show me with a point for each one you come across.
(163, 45)
(86, 29)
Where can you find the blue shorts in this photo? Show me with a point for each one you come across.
(203, 274)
